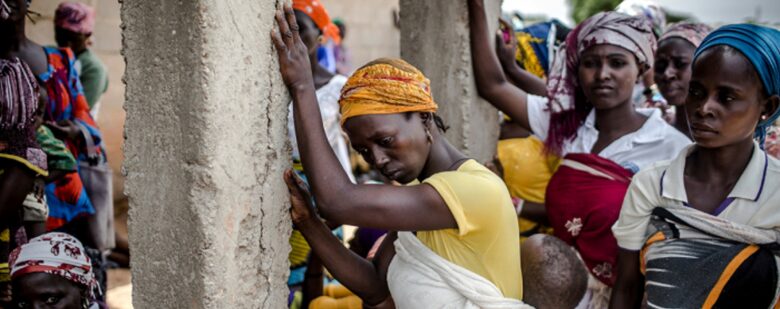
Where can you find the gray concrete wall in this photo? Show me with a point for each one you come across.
(435, 38)
(205, 150)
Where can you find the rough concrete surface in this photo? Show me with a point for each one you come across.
(435, 39)
(205, 150)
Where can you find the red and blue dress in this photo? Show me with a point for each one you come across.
(66, 196)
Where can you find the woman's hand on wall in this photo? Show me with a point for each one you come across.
(294, 63)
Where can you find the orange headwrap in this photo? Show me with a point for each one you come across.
(386, 86)
(316, 11)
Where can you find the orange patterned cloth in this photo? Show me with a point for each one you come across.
(386, 86)
(316, 11)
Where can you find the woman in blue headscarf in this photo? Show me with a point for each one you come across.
(700, 230)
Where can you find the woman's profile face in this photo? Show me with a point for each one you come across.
(673, 69)
(395, 144)
(308, 31)
(42, 290)
(607, 75)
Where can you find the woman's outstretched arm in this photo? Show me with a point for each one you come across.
(506, 52)
(356, 273)
(492, 85)
(338, 199)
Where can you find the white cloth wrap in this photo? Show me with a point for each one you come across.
(420, 278)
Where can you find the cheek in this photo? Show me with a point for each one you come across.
(628, 74)
(743, 118)
(585, 77)
(685, 76)
(309, 38)
(627, 79)
(411, 151)
(691, 105)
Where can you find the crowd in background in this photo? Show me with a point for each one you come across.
(56, 219)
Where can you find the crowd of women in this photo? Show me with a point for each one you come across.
(56, 206)
(631, 169)
(635, 169)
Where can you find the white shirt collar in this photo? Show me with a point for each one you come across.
(749, 186)
(652, 130)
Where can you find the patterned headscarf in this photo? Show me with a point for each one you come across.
(316, 11)
(611, 28)
(57, 254)
(647, 9)
(386, 86)
(18, 103)
(760, 45)
(75, 16)
(691, 32)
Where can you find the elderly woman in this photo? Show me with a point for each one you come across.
(458, 237)
(587, 118)
(701, 231)
(52, 271)
(673, 66)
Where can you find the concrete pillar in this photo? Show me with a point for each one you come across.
(205, 150)
(435, 39)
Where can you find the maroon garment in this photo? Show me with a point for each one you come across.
(582, 207)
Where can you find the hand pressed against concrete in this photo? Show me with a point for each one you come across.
(293, 53)
(365, 279)
(300, 198)
(384, 207)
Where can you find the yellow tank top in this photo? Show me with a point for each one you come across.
(486, 241)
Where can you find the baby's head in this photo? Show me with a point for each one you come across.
(553, 275)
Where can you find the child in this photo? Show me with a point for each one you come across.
(553, 275)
